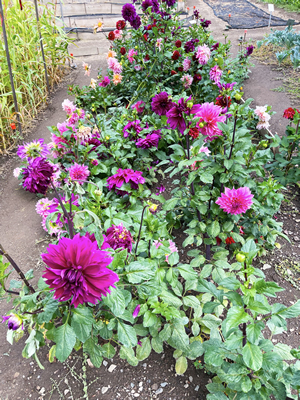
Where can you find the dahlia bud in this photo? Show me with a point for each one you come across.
(153, 208)
(190, 104)
(202, 125)
(238, 96)
(98, 193)
(14, 321)
(240, 257)
(263, 143)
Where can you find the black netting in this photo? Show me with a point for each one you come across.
(243, 14)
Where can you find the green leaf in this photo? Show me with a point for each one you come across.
(187, 272)
(210, 321)
(127, 353)
(142, 352)
(230, 283)
(227, 226)
(246, 384)
(252, 356)
(115, 301)
(291, 312)
(94, 350)
(195, 350)
(284, 351)
(191, 301)
(253, 331)
(126, 334)
(150, 319)
(169, 298)
(65, 339)
(214, 229)
(108, 350)
(82, 321)
(49, 309)
(165, 334)
(206, 177)
(236, 315)
(170, 204)
(138, 272)
(181, 365)
(157, 344)
(179, 339)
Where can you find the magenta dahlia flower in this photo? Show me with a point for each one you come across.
(105, 82)
(37, 148)
(78, 173)
(235, 201)
(125, 176)
(132, 126)
(77, 269)
(118, 237)
(215, 74)
(178, 111)
(139, 106)
(209, 116)
(14, 322)
(136, 311)
(150, 140)
(161, 103)
(37, 175)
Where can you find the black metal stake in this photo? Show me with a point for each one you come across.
(41, 44)
(9, 67)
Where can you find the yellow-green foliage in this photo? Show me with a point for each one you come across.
(27, 63)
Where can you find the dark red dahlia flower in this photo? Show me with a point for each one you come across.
(175, 55)
(178, 43)
(111, 35)
(120, 24)
(147, 57)
(230, 240)
(180, 69)
(221, 101)
(173, 72)
(289, 113)
(37, 175)
(119, 237)
(77, 269)
(123, 51)
(194, 132)
(197, 77)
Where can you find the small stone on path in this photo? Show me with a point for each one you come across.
(112, 368)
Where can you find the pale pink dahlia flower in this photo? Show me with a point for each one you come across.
(263, 116)
(235, 201)
(131, 54)
(118, 34)
(114, 65)
(187, 64)
(159, 43)
(68, 106)
(187, 81)
(78, 173)
(209, 116)
(117, 78)
(215, 74)
(203, 54)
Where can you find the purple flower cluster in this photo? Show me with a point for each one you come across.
(125, 176)
(77, 269)
(161, 103)
(119, 237)
(177, 113)
(150, 140)
(130, 15)
(190, 45)
(37, 148)
(132, 126)
(37, 175)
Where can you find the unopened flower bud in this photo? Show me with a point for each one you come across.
(240, 257)
(201, 125)
(107, 137)
(98, 193)
(190, 104)
(153, 208)
(14, 321)
(263, 143)
(238, 96)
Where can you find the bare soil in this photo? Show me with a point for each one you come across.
(22, 236)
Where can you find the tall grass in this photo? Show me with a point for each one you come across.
(27, 63)
(290, 5)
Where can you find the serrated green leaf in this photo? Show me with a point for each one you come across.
(108, 350)
(65, 339)
(115, 301)
(191, 301)
(81, 322)
(127, 353)
(94, 350)
(126, 334)
(157, 344)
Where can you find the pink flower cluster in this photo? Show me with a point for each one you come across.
(114, 65)
(263, 117)
(203, 54)
(187, 81)
(209, 116)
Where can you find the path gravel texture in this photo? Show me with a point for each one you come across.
(22, 236)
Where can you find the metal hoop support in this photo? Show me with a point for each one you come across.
(9, 67)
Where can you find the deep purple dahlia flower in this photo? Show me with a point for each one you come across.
(14, 321)
(150, 140)
(136, 23)
(170, 3)
(132, 126)
(177, 113)
(129, 12)
(119, 237)
(77, 269)
(161, 103)
(37, 175)
(125, 176)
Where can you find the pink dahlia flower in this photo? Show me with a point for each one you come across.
(261, 112)
(44, 206)
(117, 78)
(114, 65)
(131, 54)
(77, 269)
(139, 106)
(187, 64)
(209, 116)
(78, 173)
(215, 74)
(235, 201)
(118, 237)
(37, 148)
(132, 126)
(125, 176)
(105, 82)
(118, 34)
(203, 54)
(68, 106)
(173, 249)
(187, 81)
(37, 175)
(159, 43)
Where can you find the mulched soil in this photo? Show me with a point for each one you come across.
(154, 378)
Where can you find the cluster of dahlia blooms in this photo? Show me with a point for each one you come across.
(77, 270)
(263, 117)
(235, 201)
(125, 176)
(129, 14)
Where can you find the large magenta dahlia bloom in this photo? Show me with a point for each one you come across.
(209, 116)
(37, 175)
(150, 140)
(77, 269)
(125, 176)
(119, 237)
(235, 201)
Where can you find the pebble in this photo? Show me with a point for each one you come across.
(112, 368)
(190, 378)
(16, 374)
(66, 391)
(140, 384)
(154, 386)
(164, 384)
(186, 385)
(159, 391)
(105, 363)
(136, 395)
(145, 365)
(296, 238)
(266, 266)
(104, 389)
(197, 388)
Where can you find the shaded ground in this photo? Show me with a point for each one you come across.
(21, 235)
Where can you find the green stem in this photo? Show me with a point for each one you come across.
(140, 230)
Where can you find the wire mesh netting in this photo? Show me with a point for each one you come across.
(243, 14)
